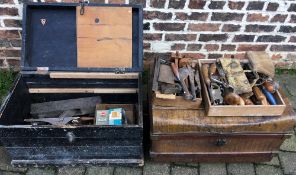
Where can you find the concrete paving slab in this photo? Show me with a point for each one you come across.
(128, 171)
(40, 171)
(97, 170)
(153, 168)
(241, 169)
(212, 169)
(268, 170)
(70, 170)
(288, 162)
(180, 170)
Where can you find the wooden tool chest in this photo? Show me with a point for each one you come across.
(190, 135)
(72, 51)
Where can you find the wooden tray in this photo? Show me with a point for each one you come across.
(233, 110)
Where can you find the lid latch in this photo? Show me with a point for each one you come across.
(119, 70)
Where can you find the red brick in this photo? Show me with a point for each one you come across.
(141, 2)
(178, 46)
(193, 47)
(214, 56)
(236, 5)
(196, 4)
(213, 37)
(288, 29)
(278, 18)
(255, 5)
(13, 63)
(12, 23)
(176, 4)
(197, 16)
(251, 47)
(157, 3)
(216, 5)
(6, 1)
(204, 27)
(292, 39)
(194, 55)
(169, 26)
(293, 19)
(10, 43)
(228, 47)
(152, 36)
(211, 47)
(10, 53)
(257, 17)
(74, 1)
(272, 6)
(116, 1)
(146, 26)
(271, 38)
(146, 46)
(153, 55)
(243, 38)
(276, 56)
(286, 48)
(157, 15)
(8, 11)
(282, 65)
(180, 37)
(227, 16)
(237, 55)
(11, 34)
(292, 8)
(259, 28)
(230, 28)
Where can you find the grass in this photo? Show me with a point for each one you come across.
(6, 80)
(285, 71)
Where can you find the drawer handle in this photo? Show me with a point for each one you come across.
(221, 142)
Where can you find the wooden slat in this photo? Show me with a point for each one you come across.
(93, 75)
(85, 90)
(107, 44)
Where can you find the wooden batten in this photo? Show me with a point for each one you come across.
(85, 90)
(93, 75)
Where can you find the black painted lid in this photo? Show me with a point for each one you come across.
(54, 47)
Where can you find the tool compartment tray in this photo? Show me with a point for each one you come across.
(236, 110)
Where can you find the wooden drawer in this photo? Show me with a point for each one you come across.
(200, 143)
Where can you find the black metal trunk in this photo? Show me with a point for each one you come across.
(69, 144)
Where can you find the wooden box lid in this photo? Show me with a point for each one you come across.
(105, 38)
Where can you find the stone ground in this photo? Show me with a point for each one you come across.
(284, 164)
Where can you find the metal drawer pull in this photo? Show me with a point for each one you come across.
(220, 142)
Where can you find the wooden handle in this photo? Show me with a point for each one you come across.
(232, 99)
(213, 69)
(259, 95)
(269, 86)
(247, 101)
(205, 73)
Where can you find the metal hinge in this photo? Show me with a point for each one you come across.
(42, 70)
(119, 71)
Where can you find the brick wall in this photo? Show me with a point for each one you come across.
(200, 29)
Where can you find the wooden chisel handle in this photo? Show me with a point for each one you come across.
(213, 69)
(260, 96)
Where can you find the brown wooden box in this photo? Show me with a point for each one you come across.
(233, 110)
(190, 135)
